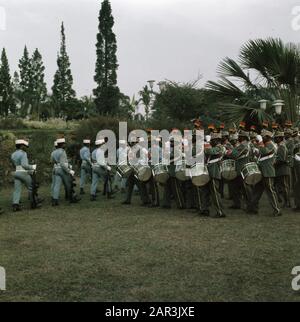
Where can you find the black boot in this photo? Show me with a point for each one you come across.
(82, 191)
(16, 208)
(93, 198)
(54, 202)
(110, 195)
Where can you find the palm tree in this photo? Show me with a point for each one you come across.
(266, 69)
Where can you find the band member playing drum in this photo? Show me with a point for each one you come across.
(241, 156)
(282, 170)
(266, 164)
(214, 153)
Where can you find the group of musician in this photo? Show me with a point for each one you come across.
(249, 162)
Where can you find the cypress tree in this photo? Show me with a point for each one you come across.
(39, 93)
(6, 89)
(107, 93)
(26, 82)
(63, 92)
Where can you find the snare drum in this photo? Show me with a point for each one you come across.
(161, 173)
(228, 170)
(181, 172)
(124, 170)
(251, 174)
(142, 172)
(200, 175)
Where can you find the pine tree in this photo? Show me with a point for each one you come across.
(26, 83)
(17, 91)
(6, 90)
(63, 92)
(107, 93)
(39, 92)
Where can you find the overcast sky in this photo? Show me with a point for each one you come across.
(157, 39)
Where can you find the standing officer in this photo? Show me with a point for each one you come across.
(214, 153)
(282, 170)
(100, 170)
(86, 163)
(266, 162)
(22, 175)
(63, 174)
(241, 156)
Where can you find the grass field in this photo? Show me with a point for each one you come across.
(104, 251)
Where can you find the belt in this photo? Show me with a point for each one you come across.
(266, 158)
(19, 168)
(214, 160)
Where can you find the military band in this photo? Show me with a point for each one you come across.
(246, 162)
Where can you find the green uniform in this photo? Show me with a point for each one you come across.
(266, 165)
(22, 176)
(241, 155)
(214, 156)
(282, 171)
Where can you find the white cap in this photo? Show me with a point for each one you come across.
(62, 140)
(22, 142)
(207, 138)
(86, 141)
(55, 143)
(122, 142)
(99, 142)
(259, 138)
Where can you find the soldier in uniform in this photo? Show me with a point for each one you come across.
(241, 156)
(172, 186)
(63, 174)
(100, 170)
(266, 164)
(282, 170)
(214, 153)
(22, 175)
(297, 177)
(86, 163)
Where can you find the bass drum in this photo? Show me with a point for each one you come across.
(124, 170)
(228, 170)
(142, 172)
(200, 175)
(161, 173)
(251, 174)
(182, 172)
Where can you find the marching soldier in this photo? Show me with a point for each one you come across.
(241, 156)
(22, 175)
(63, 174)
(101, 170)
(214, 153)
(86, 163)
(282, 169)
(266, 164)
(172, 186)
(297, 177)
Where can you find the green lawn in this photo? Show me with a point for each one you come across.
(104, 251)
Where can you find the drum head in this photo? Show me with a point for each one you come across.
(162, 178)
(253, 179)
(201, 180)
(144, 174)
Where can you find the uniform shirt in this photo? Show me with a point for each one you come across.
(290, 144)
(155, 154)
(100, 157)
(85, 154)
(94, 159)
(267, 166)
(213, 153)
(62, 159)
(19, 158)
(122, 153)
(281, 161)
(241, 155)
